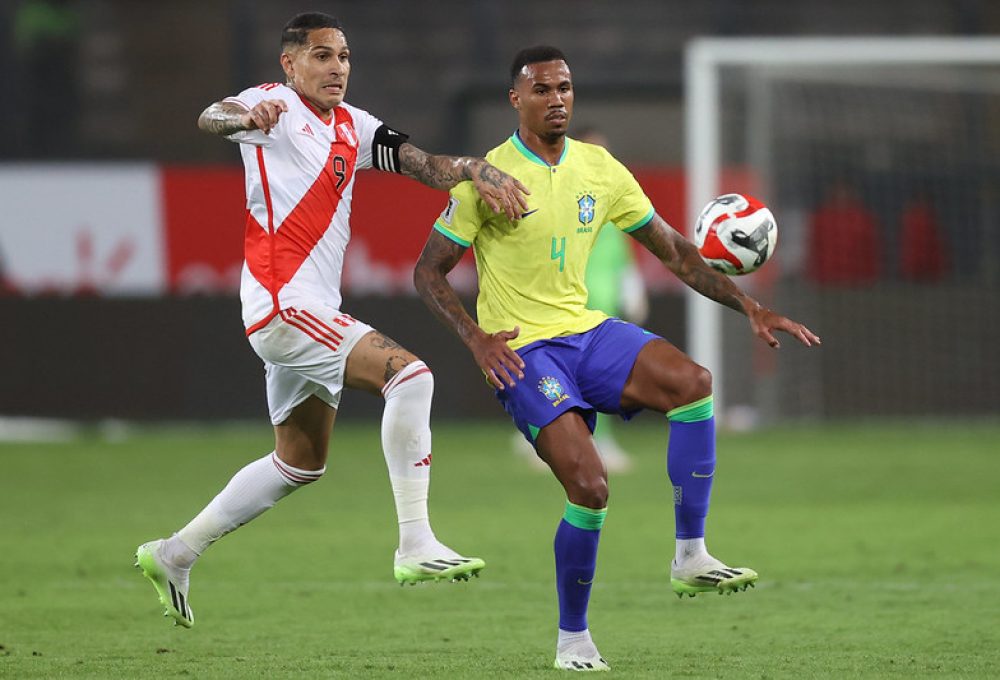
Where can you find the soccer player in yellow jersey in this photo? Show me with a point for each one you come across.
(554, 363)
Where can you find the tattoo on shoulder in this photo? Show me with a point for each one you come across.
(443, 250)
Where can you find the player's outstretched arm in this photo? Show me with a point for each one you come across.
(490, 350)
(226, 118)
(500, 191)
(681, 257)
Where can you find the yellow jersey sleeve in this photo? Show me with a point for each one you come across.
(630, 208)
(463, 217)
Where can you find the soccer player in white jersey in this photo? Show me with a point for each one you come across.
(301, 146)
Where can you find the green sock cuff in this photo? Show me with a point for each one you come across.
(693, 412)
(584, 518)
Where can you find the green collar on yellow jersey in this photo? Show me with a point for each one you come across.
(534, 157)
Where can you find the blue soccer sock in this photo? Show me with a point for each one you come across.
(576, 559)
(691, 465)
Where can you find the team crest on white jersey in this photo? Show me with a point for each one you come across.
(345, 133)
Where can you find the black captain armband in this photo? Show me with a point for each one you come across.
(385, 149)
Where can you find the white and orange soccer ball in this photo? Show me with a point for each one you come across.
(735, 234)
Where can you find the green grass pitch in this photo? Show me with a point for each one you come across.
(877, 547)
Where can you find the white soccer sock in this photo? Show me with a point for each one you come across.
(406, 444)
(689, 549)
(580, 641)
(251, 491)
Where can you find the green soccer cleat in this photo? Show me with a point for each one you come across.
(171, 582)
(710, 576)
(412, 570)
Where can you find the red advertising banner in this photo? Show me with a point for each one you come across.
(204, 214)
(392, 215)
(146, 230)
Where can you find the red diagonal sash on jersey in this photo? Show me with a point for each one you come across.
(273, 255)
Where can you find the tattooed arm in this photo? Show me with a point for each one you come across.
(491, 351)
(681, 257)
(500, 191)
(225, 118)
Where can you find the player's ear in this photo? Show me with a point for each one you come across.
(515, 100)
(287, 65)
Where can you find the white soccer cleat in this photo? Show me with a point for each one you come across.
(448, 566)
(581, 657)
(706, 574)
(170, 581)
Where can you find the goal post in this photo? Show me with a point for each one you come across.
(769, 107)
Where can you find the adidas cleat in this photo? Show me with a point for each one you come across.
(171, 582)
(412, 570)
(570, 661)
(709, 577)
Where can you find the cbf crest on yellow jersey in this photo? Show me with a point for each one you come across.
(531, 272)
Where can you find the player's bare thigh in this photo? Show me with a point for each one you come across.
(373, 361)
(566, 446)
(664, 378)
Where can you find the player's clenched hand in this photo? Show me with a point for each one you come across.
(264, 115)
(500, 191)
(763, 321)
(497, 360)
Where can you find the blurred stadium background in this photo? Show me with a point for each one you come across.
(120, 244)
(120, 239)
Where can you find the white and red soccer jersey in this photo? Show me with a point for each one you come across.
(299, 181)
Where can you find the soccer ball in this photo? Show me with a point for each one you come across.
(735, 234)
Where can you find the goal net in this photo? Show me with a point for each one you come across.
(880, 159)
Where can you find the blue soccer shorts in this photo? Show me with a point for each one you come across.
(585, 371)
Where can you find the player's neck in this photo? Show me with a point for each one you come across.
(548, 149)
(322, 114)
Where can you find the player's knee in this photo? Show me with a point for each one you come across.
(701, 382)
(695, 383)
(591, 492)
(415, 378)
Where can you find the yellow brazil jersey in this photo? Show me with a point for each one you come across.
(531, 272)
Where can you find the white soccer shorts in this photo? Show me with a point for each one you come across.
(305, 351)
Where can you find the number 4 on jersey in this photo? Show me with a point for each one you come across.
(561, 253)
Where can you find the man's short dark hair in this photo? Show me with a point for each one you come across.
(534, 55)
(296, 31)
